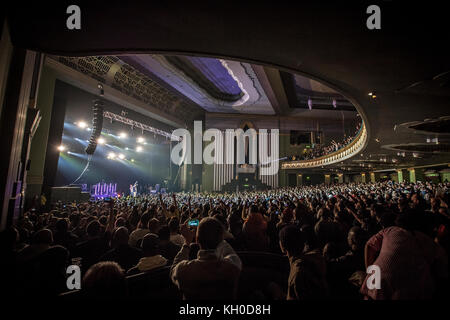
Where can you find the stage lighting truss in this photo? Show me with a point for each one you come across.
(139, 125)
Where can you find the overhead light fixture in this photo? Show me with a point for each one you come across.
(132, 160)
(61, 148)
(139, 149)
(126, 148)
(121, 156)
(101, 141)
(81, 124)
(140, 140)
(123, 135)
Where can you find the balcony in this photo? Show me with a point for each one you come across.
(350, 150)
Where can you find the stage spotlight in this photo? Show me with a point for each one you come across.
(139, 149)
(101, 141)
(111, 155)
(122, 135)
(61, 148)
(140, 140)
(82, 124)
(121, 156)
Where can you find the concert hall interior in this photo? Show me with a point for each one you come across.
(291, 147)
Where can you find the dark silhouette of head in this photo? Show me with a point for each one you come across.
(292, 240)
(43, 236)
(150, 245)
(356, 238)
(164, 233)
(93, 228)
(120, 237)
(143, 222)
(104, 280)
(209, 233)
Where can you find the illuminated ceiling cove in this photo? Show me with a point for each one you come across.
(214, 84)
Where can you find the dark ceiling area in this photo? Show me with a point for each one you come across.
(435, 126)
(304, 98)
(405, 65)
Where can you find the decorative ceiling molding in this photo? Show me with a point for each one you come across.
(420, 147)
(121, 76)
(211, 75)
(252, 101)
(437, 127)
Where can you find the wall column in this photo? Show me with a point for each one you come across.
(363, 177)
(412, 175)
(299, 179)
(18, 95)
(400, 176)
(35, 175)
(327, 179)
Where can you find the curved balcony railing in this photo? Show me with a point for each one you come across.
(342, 154)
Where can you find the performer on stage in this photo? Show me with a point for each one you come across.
(133, 189)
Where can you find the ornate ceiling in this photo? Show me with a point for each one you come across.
(216, 85)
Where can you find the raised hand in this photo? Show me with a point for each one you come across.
(187, 233)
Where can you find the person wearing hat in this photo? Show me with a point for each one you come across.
(151, 257)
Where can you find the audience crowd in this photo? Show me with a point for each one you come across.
(329, 233)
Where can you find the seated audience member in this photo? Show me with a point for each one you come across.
(307, 278)
(152, 258)
(411, 264)
(175, 236)
(255, 230)
(63, 236)
(141, 231)
(50, 276)
(354, 259)
(104, 280)
(42, 240)
(121, 252)
(153, 226)
(286, 218)
(215, 272)
(93, 247)
(340, 269)
(167, 248)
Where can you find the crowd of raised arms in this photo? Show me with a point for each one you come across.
(322, 150)
(330, 233)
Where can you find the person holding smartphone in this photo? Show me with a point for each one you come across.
(214, 274)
